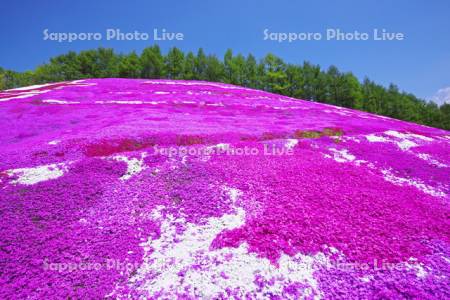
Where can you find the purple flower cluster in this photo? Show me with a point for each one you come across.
(81, 187)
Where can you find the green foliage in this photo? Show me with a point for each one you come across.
(200, 65)
(174, 64)
(214, 69)
(228, 66)
(306, 81)
(2, 80)
(275, 78)
(251, 72)
(152, 63)
(130, 66)
(189, 67)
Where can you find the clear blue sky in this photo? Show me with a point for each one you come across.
(420, 64)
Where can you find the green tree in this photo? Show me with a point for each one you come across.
(152, 63)
(214, 69)
(352, 95)
(251, 72)
(2, 79)
(200, 65)
(66, 66)
(228, 66)
(130, 66)
(238, 70)
(89, 67)
(108, 62)
(445, 116)
(189, 67)
(296, 81)
(48, 73)
(315, 84)
(174, 64)
(275, 74)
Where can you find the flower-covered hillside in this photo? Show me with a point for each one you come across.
(116, 188)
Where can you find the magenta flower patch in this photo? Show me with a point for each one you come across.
(163, 189)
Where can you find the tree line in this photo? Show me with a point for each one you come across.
(306, 81)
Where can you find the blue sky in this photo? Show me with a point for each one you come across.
(419, 64)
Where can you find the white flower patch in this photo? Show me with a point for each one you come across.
(233, 193)
(215, 104)
(33, 90)
(407, 135)
(156, 102)
(405, 141)
(134, 165)
(54, 142)
(351, 138)
(79, 82)
(367, 278)
(31, 87)
(383, 117)
(343, 156)
(121, 102)
(375, 138)
(37, 174)
(342, 111)
(418, 268)
(54, 101)
(183, 263)
(406, 144)
(21, 96)
(389, 176)
(121, 93)
(430, 160)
